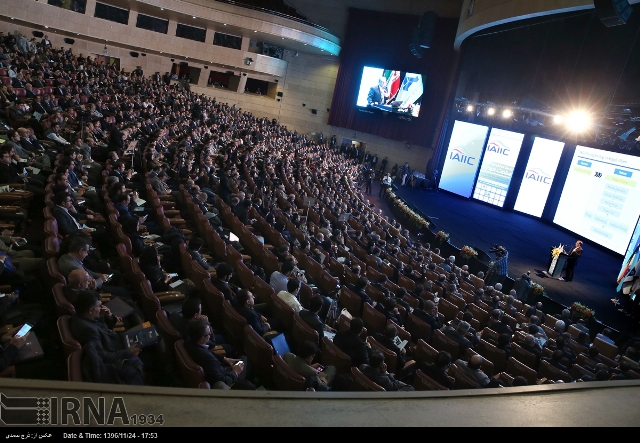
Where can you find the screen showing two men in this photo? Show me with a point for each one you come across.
(390, 91)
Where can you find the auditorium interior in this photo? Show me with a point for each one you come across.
(379, 162)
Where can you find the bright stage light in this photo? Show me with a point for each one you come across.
(491, 111)
(507, 113)
(469, 108)
(577, 121)
(558, 119)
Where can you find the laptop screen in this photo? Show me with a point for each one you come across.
(233, 237)
(280, 345)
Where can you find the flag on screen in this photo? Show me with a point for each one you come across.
(393, 83)
(411, 90)
(630, 273)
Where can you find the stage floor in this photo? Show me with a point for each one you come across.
(528, 240)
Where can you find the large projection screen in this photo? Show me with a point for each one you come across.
(463, 157)
(500, 158)
(601, 197)
(538, 176)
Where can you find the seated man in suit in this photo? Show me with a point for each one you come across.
(472, 369)
(457, 334)
(310, 316)
(244, 304)
(351, 344)
(438, 370)
(221, 281)
(556, 360)
(69, 222)
(386, 339)
(317, 377)
(376, 371)
(429, 315)
(359, 289)
(93, 323)
(500, 323)
(219, 371)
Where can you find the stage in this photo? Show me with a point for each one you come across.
(528, 241)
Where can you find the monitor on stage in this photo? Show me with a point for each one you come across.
(463, 158)
(538, 176)
(388, 90)
(600, 198)
(499, 160)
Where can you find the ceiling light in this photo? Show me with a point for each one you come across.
(557, 119)
(491, 111)
(507, 113)
(577, 121)
(469, 108)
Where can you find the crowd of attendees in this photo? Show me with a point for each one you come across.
(118, 158)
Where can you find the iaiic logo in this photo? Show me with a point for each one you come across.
(498, 148)
(537, 175)
(461, 156)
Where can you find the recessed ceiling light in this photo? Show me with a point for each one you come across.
(282, 38)
(46, 27)
(193, 16)
(255, 31)
(224, 24)
(305, 44)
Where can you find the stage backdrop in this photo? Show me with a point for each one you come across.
(381, 39)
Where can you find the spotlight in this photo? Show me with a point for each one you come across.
(469, 108)
(507, 113)
(577, 121)
(558, 119)
(491, 111)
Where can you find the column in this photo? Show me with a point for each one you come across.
(243, 82)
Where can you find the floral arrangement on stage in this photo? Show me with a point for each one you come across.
(582, 311)
(412, 217)
(557, 250)
(468, 252)
(537, 290)
(442, 236)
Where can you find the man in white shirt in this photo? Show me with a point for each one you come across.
(290, 296)
(279, 279)
(386, 182)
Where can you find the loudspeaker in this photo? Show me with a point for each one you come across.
(279, 94)
(613, 12)
(184, 64)
(230, 73)
(69, 41)
(427, 28)
(133, 54)
(414, 46)
(314, 111)
(38, 34)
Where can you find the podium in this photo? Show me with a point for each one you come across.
(556, 264)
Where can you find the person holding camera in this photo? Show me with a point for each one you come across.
(500, 268)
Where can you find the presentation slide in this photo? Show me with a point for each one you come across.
(600, 199)
(390, 91)
(463, 157)
(496, 171)
(538, 176)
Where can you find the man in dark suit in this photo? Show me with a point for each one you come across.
(378, 94)
(429, 315)
(386, 339)
(244, 305)
(221, 281)
(351, 344)
(310, 316)
(94, 323)
(377, 372)
(438, 370)
(500, 323)
(218, 370)
(572, 261)
(457, 334)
